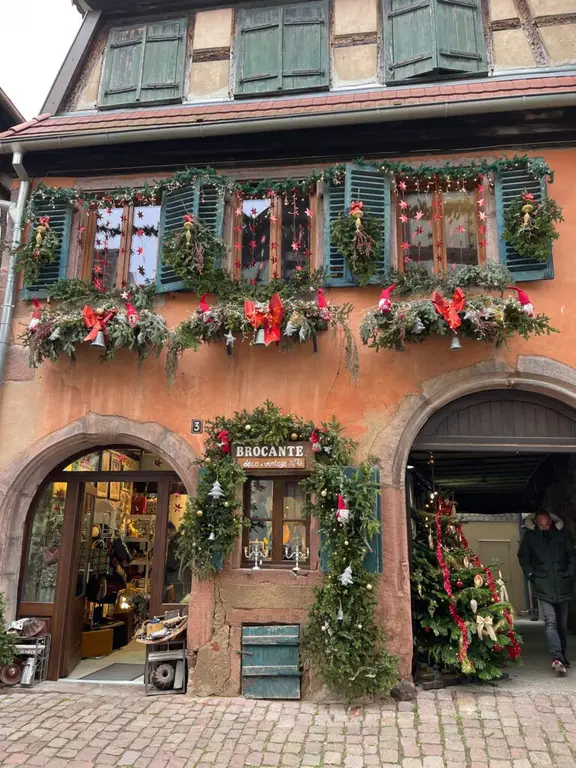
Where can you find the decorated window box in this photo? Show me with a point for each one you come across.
(481, 317)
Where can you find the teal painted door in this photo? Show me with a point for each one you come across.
(271, 662)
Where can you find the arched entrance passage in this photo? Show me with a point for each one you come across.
(21, 480)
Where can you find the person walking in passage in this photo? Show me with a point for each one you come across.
(548, 558)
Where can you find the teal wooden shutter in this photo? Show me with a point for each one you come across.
(259, 50)
(211, 209)
(334, 262)
(123, 65)
(460, 36)
(373, 559)
(163, 66)
(174, 206)
(410, 39)
(364, 183)
(305, 46)
(509, 186)
(60, 223)
(271, 662)
(373, 188)
(433, 36)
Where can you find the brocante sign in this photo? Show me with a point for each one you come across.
(288, 456)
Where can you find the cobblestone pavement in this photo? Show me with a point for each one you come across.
(454, 728)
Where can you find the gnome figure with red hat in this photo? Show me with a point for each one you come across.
(385, 303)
(524, 300)
(342, 513)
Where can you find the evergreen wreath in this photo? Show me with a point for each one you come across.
(358, 237)
(529, 226)
(343, 640)
(193, 252)
(42, 249)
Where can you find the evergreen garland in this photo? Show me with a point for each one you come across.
(349, 655)
(529, 226)
(152, 194)
(416, 279)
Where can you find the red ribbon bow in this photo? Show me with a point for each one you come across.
(528, 197)
(44, 221)
(450, 309)
(269, 317)
(95, 322)
(188, 218)
(356, 205)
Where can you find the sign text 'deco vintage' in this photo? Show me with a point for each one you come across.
(289, 456)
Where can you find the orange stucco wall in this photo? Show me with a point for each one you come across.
(208, 383)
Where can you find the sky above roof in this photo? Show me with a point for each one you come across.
(34, 40)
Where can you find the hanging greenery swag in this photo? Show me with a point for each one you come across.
(529, 226)
(358, 237)
(151, 194)
(194, 252)
(343, 640)
(41, 250)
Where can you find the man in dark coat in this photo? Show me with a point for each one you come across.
(548, 559)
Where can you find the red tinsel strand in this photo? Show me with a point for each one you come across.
(462, 653)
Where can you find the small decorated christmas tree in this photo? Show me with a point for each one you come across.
(463, 621)
(6, 641)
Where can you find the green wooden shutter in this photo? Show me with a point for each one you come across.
(174, 206)
(60, 222)
(373, 188)
(460, 36)
(122, 70)
(305, 46)
(259, 50)
(271, 662)
(211, 209)
(373, 559)
(509, 187)
(163, 66)
(433, 36)
(410, 40)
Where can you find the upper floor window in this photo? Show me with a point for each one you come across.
(433, 37)
(441, 230)
(144, 64)
(125, 247)
(272, 237)
(282, 48)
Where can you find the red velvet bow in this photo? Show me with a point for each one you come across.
(449, 309)
(270, 318)
(356, 206)
(188, 218)
(95, 322)
(44, 221)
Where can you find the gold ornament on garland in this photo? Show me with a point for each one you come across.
(478, 580)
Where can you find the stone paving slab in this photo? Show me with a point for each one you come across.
(453, 728)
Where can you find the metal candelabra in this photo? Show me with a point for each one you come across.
(254, 552)
(297, 554)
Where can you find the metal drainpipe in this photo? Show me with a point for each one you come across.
(17, 214)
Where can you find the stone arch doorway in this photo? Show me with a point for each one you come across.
(23, 479)
(549, 379)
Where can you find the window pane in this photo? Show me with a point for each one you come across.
(110, 223)
(44, 550)
(256, 240)
(417, 231)
(261, 498)
(144, 245)
(460, 229)
(88, 463)
(296, 225)
(294, 498)
(177, 578)
(294, 538)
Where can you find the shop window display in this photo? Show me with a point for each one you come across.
(277, 526)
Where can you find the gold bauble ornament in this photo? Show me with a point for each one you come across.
(293, 436)
(478, 580)
(247, 428)
(324, 493)
(199, 513)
